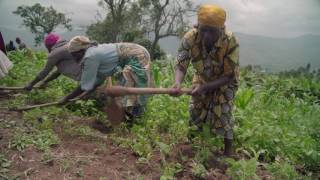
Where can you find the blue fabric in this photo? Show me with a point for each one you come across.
(98, 63)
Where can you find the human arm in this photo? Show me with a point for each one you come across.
(75, 93)
(52, 61)
(88, 82)
(182, 62)
(51, 77)
(230, 70)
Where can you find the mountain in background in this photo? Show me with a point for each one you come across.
(274, 54)
(280, 53)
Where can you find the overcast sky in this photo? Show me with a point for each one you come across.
(276, 18)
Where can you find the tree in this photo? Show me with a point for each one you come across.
(165, 18)
(100, 32)
(121, 20)
(123, 23)
(136, 20)
(42, 20)
(116, 16)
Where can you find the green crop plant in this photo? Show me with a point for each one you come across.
(276, 117)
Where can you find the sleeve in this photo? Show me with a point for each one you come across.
(52, 61)
(89, 74)
(231, 59)
(183, 55)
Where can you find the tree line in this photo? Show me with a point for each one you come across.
(141, 21)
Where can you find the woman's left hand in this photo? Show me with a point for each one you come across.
(198, 90)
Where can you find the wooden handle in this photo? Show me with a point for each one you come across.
(16, 88)
(34, 106)
(4, 108)
(122, 91)
(11, 88)
(26, 108)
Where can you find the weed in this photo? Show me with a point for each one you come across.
(79, 173)
(42, 140)
(276, 115)
(170, 170)
(20, 141)
(282, 170)
(4, 165)
(65, 165)
(47, 157)
(198, 170)
(242, 169)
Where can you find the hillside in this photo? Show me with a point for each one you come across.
(275, 54)
(279, 139)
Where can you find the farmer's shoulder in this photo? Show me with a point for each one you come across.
(190, 36)
(231, 37)
(59, 53)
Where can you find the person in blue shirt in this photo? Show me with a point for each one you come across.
(128, 61)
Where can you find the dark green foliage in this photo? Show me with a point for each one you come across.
(42, 20)
(277, 121)
(143, 22)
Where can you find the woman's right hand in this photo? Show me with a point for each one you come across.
(176, 92)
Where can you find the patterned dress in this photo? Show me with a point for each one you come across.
(134, 71)
(215, 108)
(129, 63)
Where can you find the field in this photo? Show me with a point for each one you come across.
(276, 134)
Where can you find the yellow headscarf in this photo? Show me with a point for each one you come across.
(78, 43)
(211, 15)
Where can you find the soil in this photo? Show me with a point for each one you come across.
(73, 157)
(96, 158)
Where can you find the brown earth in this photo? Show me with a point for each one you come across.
(95, 157)
(73, 158)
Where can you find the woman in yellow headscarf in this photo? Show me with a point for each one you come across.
(214, 53)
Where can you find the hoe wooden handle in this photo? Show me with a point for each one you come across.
(15, 88)
(26, 108)
(122, 91)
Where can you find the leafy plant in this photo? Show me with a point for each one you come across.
(79, 173)
(65, 165)
(42, 140)
(244, 96)
(276, 117)
(170, 170)
(198, 170)
(47, 157)
(20, 141)
(45, 139)
(4, 165)
(282, 170)
(242, 169)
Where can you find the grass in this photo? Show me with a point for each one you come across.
(42, 140)
(277, 122)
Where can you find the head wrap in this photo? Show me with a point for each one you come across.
(78, 43)
(211, 15)
(51, 39)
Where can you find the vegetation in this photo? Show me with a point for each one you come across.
(42, 20)
(277, 124)
(143, 22)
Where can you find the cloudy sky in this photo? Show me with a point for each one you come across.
(275, 18)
